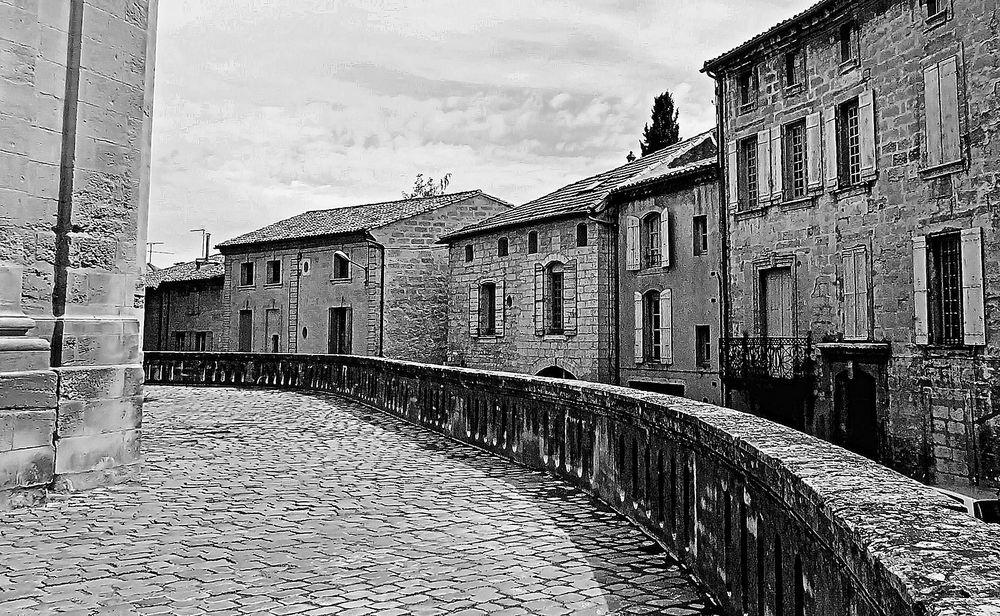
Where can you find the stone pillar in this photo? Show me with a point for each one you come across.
(74, 186)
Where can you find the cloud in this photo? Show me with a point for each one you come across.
(266, 108)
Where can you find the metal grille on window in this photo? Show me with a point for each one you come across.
(750, 172)
(948, 262)
(653, 256)
(853, 135)
(797, 151)
(557, 302)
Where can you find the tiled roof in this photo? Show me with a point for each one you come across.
(822, 4)
(185, 272)
(665, 172)
(580, 196)
(352, 219)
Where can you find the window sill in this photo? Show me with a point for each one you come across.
(751, 212)
(554, 337)
(340, 280)
(488, 338)
(794, 90)
(936, 20)
(272, 285)
(849, 65)
(944, 350)
(246, 287)
(798, 203)
(746, 108)
(854, 190)
(929, 173)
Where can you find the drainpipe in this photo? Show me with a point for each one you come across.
(381, 298)
(615, 360)
(724, 316)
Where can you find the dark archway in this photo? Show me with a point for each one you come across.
(556, 372)
(856, 407)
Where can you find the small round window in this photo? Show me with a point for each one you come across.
(305, 332)
(305, 270)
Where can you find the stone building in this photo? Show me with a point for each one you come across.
(532, 290)
(668, 300)
(184, 307)
(362, 280)
(77, 84)
(862, 172)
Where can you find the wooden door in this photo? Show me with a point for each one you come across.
(246, 331)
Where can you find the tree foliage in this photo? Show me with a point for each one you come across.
(664, 131)
(428, 187)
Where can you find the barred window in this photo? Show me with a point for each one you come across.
(488, 309)
(651, 241)
(747, 169)
(555, 287)
(945, 288)
(849, 146)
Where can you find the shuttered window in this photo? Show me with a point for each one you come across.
(949, 300)
(487, 309)
(795, 163)
(854, 273)
(632, 248)
(747, 173)
(941, 111)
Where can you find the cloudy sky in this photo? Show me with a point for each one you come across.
(267, 108)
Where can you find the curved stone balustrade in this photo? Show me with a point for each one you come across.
(743, 501)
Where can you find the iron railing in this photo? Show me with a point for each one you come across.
(766, 358)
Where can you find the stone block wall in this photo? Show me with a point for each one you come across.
(896, 41)
(192, 306)
(587, 354)
(76, 78)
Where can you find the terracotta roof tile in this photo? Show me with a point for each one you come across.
(185, 272)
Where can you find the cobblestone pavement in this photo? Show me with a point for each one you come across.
(288, 503)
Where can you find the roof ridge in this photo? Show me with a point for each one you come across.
(408, 199)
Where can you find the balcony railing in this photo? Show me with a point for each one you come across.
(767, 358)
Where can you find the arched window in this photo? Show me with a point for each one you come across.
(488, 309)
(650, 241)
(468, 253)
(652, 344)
(554, 299)
(503, 247)
(581, 234)
(532, 242)
(341, 267)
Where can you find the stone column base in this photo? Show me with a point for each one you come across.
(27, 425)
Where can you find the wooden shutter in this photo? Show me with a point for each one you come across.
(348, 330)
(474, 310)
(921, 333)
(569, 298)
(777, 180)
(665, 239)
(861, 288)
(814, 152)
(732, 176)
(951, 143)
(764, 166)
(866, 130)
(932, 115)
(666, 327)
(632, 243)
(830, 146)
(637, 346)
(499, 303)
(850, 296)
(973, 300)
(539, 300)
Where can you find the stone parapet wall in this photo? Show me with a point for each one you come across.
(741, 500)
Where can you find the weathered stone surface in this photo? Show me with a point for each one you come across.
(22, 468)
(28, 390)
(97, 416)
(80, 454)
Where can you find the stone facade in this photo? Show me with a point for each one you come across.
(900, 121)
(686, 287)
(184, 310)
(75, 132)
(520, 343)
(390, 292)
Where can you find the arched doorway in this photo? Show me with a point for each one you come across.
(556, 372)
(856, 406)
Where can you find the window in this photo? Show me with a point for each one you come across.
(246, 274)
(795, 68)
(941, 109)
(700, 235)
(488, 309)
(275, 343)
(272, 272)
(849, 143)
(795, 165)
(651, 245)
(652, 346)
(747, 170)
(180, 341)
(556, 299)
(306, 267)
(468, 253)
(936, 8)
(581, 234)
(245, 331)
(775, 308)
(503, 247)
(747, 88)
(703, 345)
(201, 341)
(339, 342)
(946, 288)
(341, 267)
(848, 43)
(532, 242)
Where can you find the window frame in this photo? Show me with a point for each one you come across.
(272, 266)
(940, 318)
(700, 234)
(470, 253)
(795, 69)
(503, 247)
(248, 274)
(339, 269)
(582, 235)
(555, 299)
(747, 89)
(652, 327)
(487, 309)
(848, 41)
(748, 187)
(848, 144)
(532, 242)
(795, 163)
(650, 228)
(703, 346)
